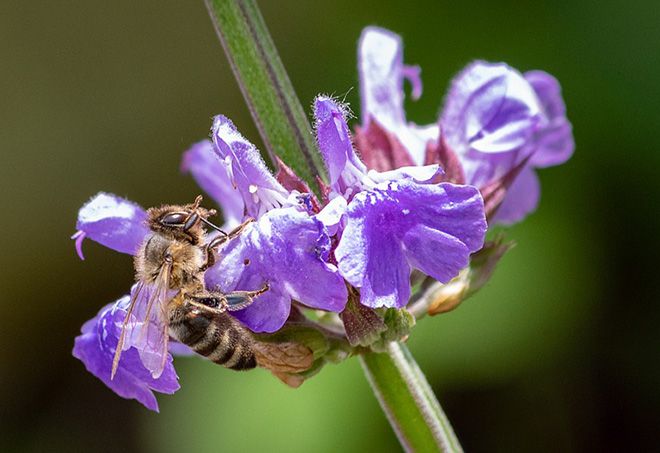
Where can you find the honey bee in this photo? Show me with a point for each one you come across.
(171, 300)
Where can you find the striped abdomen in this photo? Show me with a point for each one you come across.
(217, 336)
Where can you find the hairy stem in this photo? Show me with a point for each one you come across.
(266, 87)
(408, 401)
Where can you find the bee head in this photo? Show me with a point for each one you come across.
(184, 223)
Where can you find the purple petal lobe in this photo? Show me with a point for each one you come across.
(387, 278)
(388, 225)
(211, 175)
(268, 312)
(555, 143)
(491, 112)
(548, 92)
(95, 347)
(380, 64)
(495, 119)
(79, 237)
(423, 246)
(492, 107)
(454, 209)
(334, 140)
(247, 170)
(521, 199)
(113, 222)
(382, 73)
(412, 74)
(285, 249)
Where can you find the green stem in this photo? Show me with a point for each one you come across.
(266, 87)
(408, 400)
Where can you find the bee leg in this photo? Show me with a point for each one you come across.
(210, 255)
(238, 300)
(220, 240)
(220, 302)
(233, 234)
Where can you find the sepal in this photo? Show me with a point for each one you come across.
(380, 149)
(363, 325)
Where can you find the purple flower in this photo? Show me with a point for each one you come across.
(394, 221)
(247, 170)
(96, 345)
(211, 175)
(494, 119)
(112, 221)
(286, 249)
(382, 75)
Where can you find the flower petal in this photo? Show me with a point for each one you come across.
(490, 110)
(380, 65)
(112, 221)
(268, 312)
(211, 175)
(521, 199)
(555, 140)
(454, 209)
(548, 91)
(387, 221)
(344, 167)
(248, 171)
(373, 261)
(95, 347)
(436, 253)
(382, 73)
(286, 249)
(387, 282)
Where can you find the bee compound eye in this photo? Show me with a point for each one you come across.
(174, 219)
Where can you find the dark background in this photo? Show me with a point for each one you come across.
(558, 353)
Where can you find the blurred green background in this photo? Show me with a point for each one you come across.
(558, 353)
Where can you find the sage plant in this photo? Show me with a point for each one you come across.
(357, 234)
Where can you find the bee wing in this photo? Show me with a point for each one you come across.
(146, 326)
(137, 293)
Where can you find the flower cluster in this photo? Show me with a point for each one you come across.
(409, 199)
(496, 127)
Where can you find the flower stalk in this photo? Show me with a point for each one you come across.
(408, 401)
(266, 87)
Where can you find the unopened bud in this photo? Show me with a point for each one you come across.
(446, 297)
